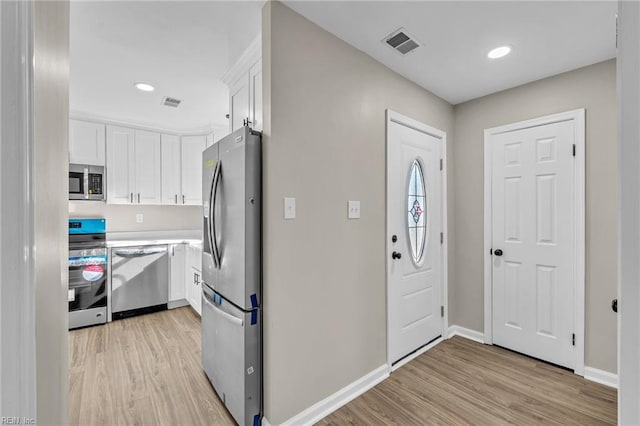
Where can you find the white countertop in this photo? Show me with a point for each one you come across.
(147, 238)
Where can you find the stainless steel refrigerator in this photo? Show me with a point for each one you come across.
(231, 272)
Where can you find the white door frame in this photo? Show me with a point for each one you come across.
(392, 116)
(578, 116)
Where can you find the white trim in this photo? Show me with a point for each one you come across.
(601, 376)
(456, 330)
(331, 403)
(83, 116)
(249, 57)
(578, 116)
(265, 422)
(392, 116)
(416, 354)
(17, 323)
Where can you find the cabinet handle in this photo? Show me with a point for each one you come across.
(183, 199)
(132, 198)
(138, 198)
(176, 198)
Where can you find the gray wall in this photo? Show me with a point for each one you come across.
(50, 174)
(324, 275)
(593, 88)
(122, 218)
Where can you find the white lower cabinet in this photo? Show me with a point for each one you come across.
(193, 281)
(177, 268)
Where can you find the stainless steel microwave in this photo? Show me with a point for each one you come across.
(86, 182)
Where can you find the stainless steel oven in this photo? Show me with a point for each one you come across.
(88, 262)
(86, 182)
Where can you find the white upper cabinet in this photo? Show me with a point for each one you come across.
(192, 147)
(239, 102)
(209, 140)
(171, 169)
(86, 143)
(120, 165)
(133, 166)
(255, 96)
(244, 80)
(147, 167)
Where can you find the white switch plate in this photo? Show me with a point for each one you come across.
(353, 211)
(139, 218)
(289, 208)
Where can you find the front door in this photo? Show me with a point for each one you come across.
(533, 234)
(414, 249)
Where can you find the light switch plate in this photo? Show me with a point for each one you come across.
(353, 209)
(139, 218)
(289, 208)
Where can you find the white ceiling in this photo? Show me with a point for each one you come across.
(182, 48)
(547, 38)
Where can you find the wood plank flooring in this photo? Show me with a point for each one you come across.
(462, 382)
(142, 371)
(146, 371)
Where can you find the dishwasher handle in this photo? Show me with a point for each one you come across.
(139, 251)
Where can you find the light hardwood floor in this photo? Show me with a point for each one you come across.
(462, 382)
(142, 371)
(146, 371)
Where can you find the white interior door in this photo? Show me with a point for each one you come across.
(533, 241)
(414, 249)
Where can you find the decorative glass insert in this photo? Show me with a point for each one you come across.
(416, 211)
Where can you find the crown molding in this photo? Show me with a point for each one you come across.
(242, 65)
(84, 116)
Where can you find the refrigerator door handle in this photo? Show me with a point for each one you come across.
(212, 218)
(231, 318)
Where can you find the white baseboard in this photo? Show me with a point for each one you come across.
(601, 376)
(331, 403)
(265, 422)
(456, 330)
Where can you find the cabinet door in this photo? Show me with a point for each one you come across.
(178, 262)
(192, 147)
(239, 103)
(120, 165)
(170, 170)
(86, 143)
(147, 167)
(255, 98)
(198, 294)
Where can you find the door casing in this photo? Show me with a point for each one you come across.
(392, 116)
(578, 116)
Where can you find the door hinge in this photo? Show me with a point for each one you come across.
(442, 238)
(441, 164)
(573, 339)
(574, 149)
(442, 311)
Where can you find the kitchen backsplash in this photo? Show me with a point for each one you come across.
(122, 218)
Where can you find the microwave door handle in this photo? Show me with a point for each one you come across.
(86, 182)
(216, 181)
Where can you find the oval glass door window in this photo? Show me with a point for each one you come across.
(416, 211)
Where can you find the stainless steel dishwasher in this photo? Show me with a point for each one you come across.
(139, 280)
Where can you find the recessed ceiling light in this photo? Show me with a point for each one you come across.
(499, 52)
(145, 87)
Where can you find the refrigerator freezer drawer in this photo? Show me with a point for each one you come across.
(231, 355)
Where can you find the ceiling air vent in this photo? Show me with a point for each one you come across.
(401, 42)
(172, 102)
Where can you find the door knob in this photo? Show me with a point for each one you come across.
(396, 255)
(498, 252)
